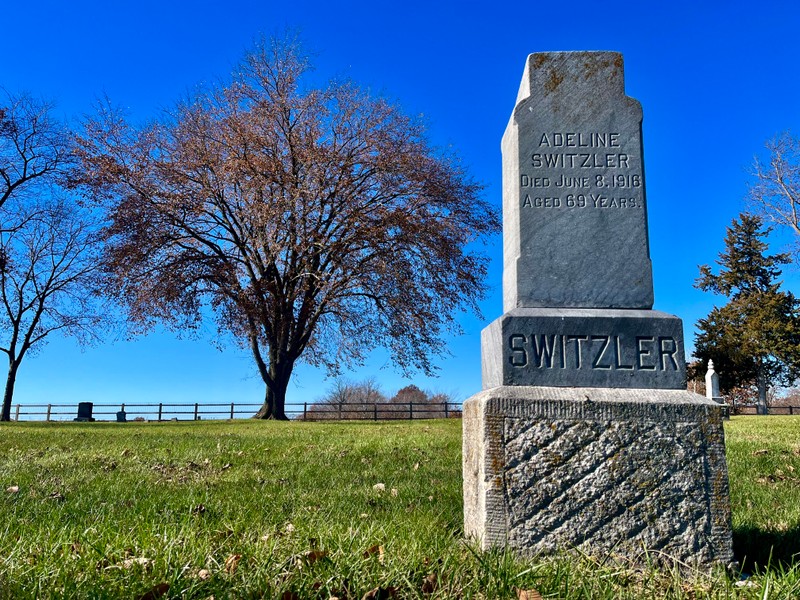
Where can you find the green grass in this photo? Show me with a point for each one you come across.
(764, 472)
(296, 503)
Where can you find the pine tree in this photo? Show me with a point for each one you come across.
(755, 337)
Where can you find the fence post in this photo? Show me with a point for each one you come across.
(49, 407)
(231, 410)
(446, 413)
(340, 411)
(16, 416)
(305, 410)
(160, 410)
(410, 411)
(374, 411)
(122, 408)
(196, 410)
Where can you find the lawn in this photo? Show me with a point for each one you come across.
(319, 510)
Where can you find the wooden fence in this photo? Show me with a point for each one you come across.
(772, 410)
(306, 411)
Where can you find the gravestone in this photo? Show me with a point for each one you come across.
(584, 434)
(84, 411)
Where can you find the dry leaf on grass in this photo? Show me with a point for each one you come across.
(310, 557)
(429, 585)
(232, 563)
(14, 489)
(380, 593)
(379, 487)
(761, 452)
(204, 574)
(373, 550)
(156, 591)
(287, 595)
(528, 595)
(132, 562)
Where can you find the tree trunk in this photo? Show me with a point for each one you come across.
(761, 384)
(275, 398)
(9, 393)
(274, 406)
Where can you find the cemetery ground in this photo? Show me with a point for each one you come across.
(319, 510)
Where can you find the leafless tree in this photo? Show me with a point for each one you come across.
(318, 224)
(34, 147)
(48, 253)
(348, 400)
(775, 193)
(49, 277)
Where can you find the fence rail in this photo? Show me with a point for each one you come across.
(772, 410)
(194, 412)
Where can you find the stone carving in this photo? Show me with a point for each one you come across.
(615, 348)
(574, 207)
(584, 435)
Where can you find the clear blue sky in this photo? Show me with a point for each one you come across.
(715, 79)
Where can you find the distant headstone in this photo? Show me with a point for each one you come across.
(584, 435)
(85, 411)
(712, 383)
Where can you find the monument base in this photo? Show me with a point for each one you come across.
(610, 471)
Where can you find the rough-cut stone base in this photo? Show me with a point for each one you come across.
(618, 471)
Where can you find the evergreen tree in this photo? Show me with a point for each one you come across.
(755, 337)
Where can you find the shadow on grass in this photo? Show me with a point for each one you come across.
(754, 546)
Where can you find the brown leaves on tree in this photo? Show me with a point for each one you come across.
(317, 223)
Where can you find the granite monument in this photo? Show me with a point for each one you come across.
(584, 434)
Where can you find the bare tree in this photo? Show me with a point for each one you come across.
(348, 400)
(34, 147)
(318, 224)
(775, 193)
(49, 274)
(48, 258)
